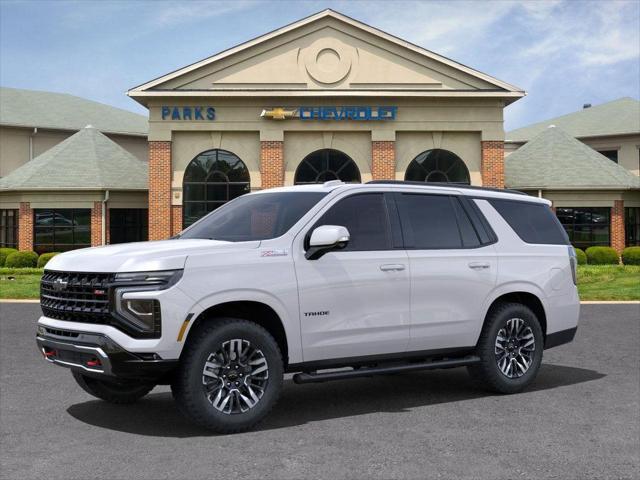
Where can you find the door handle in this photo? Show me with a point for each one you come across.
(392, 267)
(478, 266)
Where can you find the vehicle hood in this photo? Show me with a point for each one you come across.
(141, 256)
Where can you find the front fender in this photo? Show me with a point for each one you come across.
(289, 319)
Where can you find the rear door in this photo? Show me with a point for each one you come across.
(452, 269)
(355, 302)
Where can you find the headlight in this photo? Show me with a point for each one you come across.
(162, 279)
(143, 314)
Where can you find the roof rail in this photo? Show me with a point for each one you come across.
(445, 185)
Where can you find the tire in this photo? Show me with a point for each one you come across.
(121, 393)
(230, 375)
(502, 366)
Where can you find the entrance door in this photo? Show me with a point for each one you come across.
(355, 302)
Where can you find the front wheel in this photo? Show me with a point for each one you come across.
(510, 348)
(230, 375)
(113, 392)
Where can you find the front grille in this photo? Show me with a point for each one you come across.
(76, 297)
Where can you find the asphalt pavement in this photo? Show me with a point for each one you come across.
(579, 420)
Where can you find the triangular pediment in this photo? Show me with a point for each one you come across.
(326, 52)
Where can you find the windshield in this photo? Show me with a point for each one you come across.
(254, 217)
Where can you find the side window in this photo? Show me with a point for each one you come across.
(467, 232)
(429, 221)
(366, 218)
(532, 222)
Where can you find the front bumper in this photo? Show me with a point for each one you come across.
(97, 355)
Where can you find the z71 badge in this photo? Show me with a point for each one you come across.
(283, 252)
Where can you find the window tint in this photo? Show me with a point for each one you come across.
(59, 230)
(429, 221)
(534, 223)
(254, 217)
(9, 228)
(128, 225)
(366, 218)
(467, 232)
(586, 226)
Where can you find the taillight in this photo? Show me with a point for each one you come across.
(573, 260)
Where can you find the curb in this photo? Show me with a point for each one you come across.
(610, 302)
(19, 300)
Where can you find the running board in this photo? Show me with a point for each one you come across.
(367, 372)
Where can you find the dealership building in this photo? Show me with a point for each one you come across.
(324, 98)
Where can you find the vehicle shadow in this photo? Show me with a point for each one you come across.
(157, 415)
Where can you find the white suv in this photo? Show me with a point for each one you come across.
(328, 282)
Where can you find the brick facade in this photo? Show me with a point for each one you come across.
(159, 190)
(617, 226)
(492, 165)
(383, 160)
(176, 219)
(272, 163)
(25, 227)
(96, 224)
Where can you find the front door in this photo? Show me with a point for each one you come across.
(355, 302)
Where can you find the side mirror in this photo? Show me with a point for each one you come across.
(326, 238)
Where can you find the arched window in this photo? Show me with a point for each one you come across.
(437, 166)
(324, 165)
(211, 179)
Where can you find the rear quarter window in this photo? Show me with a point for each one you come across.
(532, 222)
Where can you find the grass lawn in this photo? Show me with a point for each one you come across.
(595, 282)
(609, 282)
(20, 282)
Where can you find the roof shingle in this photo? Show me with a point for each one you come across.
(619, 117)
(61, 111)
(555, 160)
(87, 160)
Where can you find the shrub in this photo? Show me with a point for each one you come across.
(21, 260)
(631, 256)
(45, 257)
(4, 253)
(602, 256)
(581, 256)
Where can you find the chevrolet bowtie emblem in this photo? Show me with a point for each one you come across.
(279, 113)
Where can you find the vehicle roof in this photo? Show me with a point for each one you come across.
(471, 191)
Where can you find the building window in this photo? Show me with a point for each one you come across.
(610, 154)
(586, 226)
(325, 165)
(128, 225)
(212, 178)
(9, 228)
(438, 165)
(632, 225)
(61, 229)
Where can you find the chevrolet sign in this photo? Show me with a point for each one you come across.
(357, 113)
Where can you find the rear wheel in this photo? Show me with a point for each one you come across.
(510, 349)
(112, 392)
(230, 376)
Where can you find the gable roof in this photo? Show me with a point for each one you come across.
(154, 87)
(61, 111)
(87, 160)
(555, 160)
(618, 117)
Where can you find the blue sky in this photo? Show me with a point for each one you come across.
(563, 53)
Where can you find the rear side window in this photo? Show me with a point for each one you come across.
(533, 222)
(435, 222)
(366, 218)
